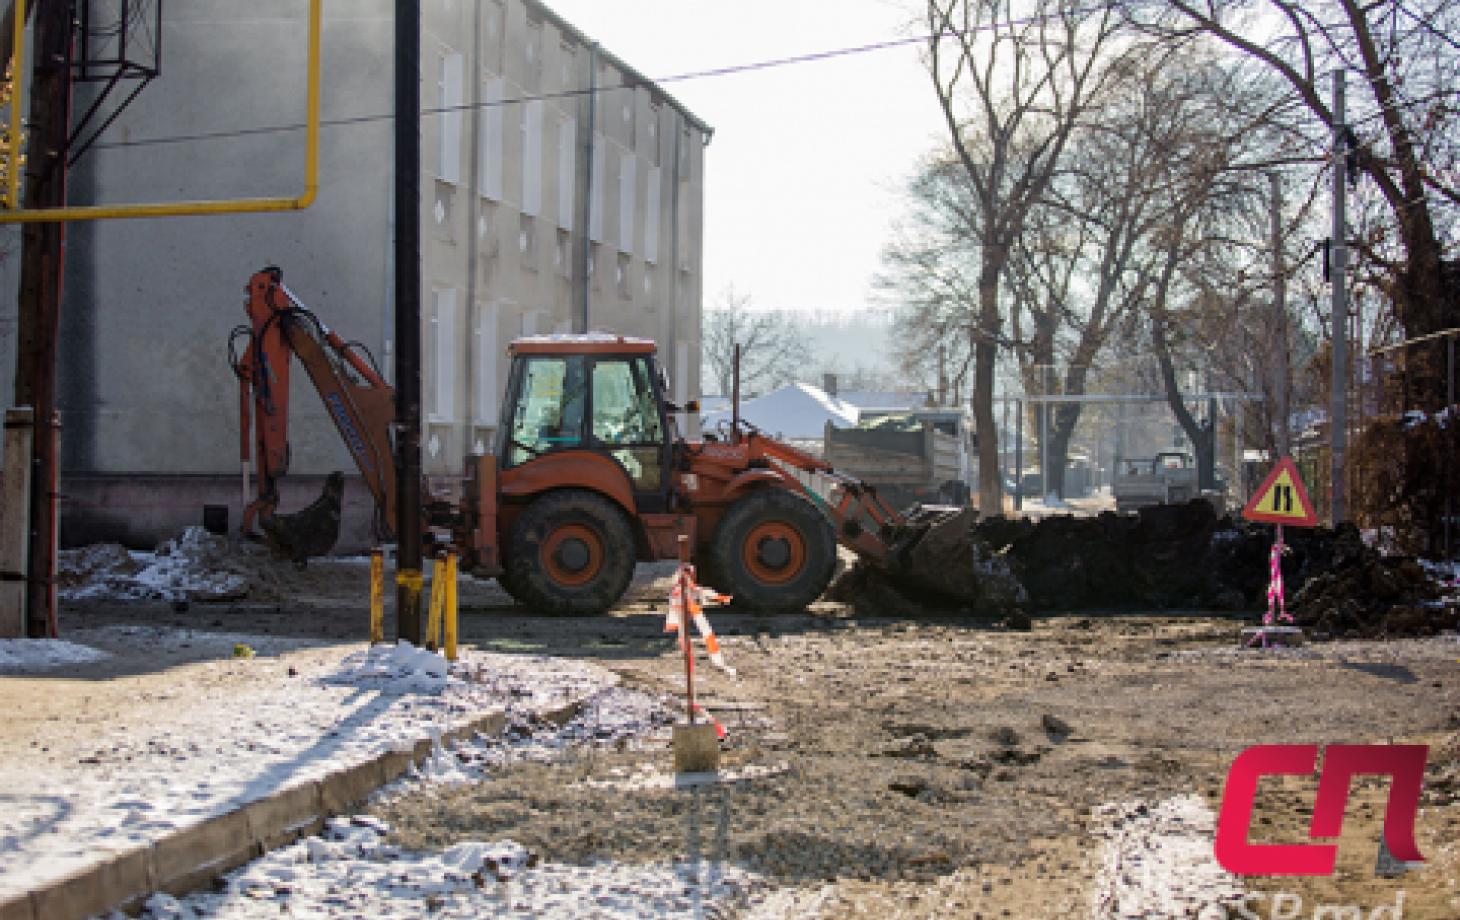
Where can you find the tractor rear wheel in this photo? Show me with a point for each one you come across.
(572, 552)
(773, 551)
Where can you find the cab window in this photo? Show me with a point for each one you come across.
(626, 418)
(549, 411)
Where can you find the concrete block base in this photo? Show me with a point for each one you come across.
(696, 749)
(1271, 637)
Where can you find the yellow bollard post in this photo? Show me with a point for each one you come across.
(450, 606)
(438, 597)
(377, 596)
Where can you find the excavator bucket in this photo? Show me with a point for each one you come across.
(311, 531)
(936, 558)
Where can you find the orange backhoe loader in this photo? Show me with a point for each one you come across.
(588, 476)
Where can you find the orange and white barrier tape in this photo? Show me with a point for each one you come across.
(690, 598)
(719, 729)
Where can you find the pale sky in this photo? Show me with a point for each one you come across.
(803, 175)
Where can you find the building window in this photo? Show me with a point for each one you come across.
(563, 254)
(567, 171)
(532, 157)
(652, 189)
(628, 174)
(621, 276)
(494, 91)
(656, 112)
(567, 53)
(443, 354)
(527, 241)
(532, 55)
(595, 193)
(448, 120)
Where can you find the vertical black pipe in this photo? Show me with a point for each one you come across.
(42, 261)
(408, 318)
(583, 239)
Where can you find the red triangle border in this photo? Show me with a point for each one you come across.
(1253, 513)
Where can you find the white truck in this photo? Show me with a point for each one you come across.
(1169, 478)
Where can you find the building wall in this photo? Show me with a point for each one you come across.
(145, 385)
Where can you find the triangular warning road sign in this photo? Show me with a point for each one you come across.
(1281, 499)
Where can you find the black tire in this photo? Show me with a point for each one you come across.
(505, 580)
(572, 552)
(773, 551)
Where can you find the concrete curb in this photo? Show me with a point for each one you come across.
(191, 857)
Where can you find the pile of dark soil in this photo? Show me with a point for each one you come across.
(1373, 597)
(1163, 557)
(1170, 557)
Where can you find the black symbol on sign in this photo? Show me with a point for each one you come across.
(1282, 499)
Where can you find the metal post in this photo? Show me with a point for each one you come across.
(39, 302)
(15, 522)
(377, 596)
(735, 396)
(1450, 409)
(583, 254)
(1044, 435)
(1280, 320)
(685, 588)
(1338, 417)
(1019, 455)
(408, 317)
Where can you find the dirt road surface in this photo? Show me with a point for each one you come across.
(936, 768)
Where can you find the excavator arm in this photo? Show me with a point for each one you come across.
(357, 398)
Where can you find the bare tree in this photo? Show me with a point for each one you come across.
(930, 269)
(772, 350)
(1014, 80)
(1403, 119)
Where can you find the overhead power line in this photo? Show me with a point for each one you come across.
(712, 73)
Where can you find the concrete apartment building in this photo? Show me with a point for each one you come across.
(515, 239)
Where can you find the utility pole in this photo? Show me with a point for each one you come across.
(583, 239)
(408, 319)
(39, 303)
(1279, 321)
(1338, 417)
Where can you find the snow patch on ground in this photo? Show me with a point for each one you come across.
(351, 871)
(17, 655)
(225, 744)
(1158, 862)
(195, 566)
(611, 717)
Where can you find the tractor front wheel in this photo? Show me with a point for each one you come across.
(773, 551)
(572, 552)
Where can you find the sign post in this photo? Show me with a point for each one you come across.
(1280, 500)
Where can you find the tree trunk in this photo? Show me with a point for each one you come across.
(985, 353)
(1203, 441)
(1062, 429)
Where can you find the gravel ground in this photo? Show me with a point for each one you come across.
(921, 767)
(935, 768)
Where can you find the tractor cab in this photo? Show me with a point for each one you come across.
(595, 392)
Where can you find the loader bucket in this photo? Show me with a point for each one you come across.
(311, 531)
(935, 558)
